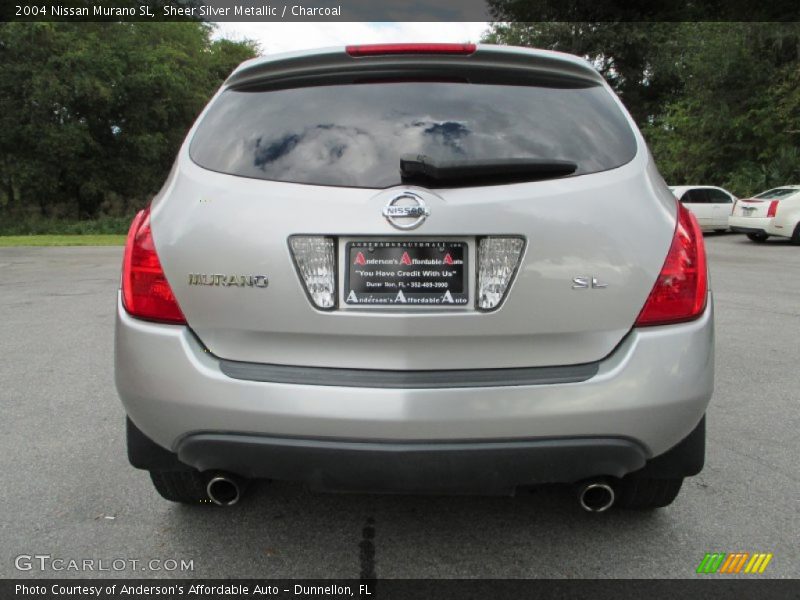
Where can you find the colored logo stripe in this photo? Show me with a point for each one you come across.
(720, 562)
(735, 562)
(758, 563)
(711, 562)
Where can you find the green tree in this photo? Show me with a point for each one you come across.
(639, 60)
(717, 102)
(735, 122)
(93, 113)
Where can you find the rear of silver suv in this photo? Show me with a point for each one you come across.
(416, 268)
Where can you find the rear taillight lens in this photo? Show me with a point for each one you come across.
(498, 258)
(383, 49)
(145, 291)
(681, 288)
(773, 208)
(315, 257)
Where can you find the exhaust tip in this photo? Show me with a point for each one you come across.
(596, 497)
(223, 491)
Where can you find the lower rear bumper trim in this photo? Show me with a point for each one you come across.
(464, 467)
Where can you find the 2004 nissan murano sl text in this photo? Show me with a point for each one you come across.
(416, 268)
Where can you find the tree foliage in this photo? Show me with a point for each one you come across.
(92, 114)
(626, 54)
(719, 103)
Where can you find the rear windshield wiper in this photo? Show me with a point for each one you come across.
(503, 170)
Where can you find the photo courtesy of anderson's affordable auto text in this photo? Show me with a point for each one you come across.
(348, 301)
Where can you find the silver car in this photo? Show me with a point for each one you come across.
(416, 268)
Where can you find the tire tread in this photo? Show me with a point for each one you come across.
(795, 239)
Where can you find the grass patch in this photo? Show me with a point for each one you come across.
(36, 225)
(62, 240)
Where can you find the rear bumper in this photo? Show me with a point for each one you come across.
(737, 229)
(651, 392)
(764, 225)
(460, 467)
(468, 467)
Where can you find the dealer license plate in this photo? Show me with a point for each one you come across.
(406, 273)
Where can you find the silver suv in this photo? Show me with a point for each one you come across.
(417, 268)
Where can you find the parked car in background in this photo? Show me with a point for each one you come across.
(774, 212)
(711, 205)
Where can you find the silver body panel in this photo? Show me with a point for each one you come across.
(653, 389)
(616, 225)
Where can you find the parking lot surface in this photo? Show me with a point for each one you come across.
(68, 490)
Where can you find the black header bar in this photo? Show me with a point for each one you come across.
(399, 10)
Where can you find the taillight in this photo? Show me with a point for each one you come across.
(145, 291)
(679, 293)
(380, 49)
(773, 208)
(498, 258)
(315, 257)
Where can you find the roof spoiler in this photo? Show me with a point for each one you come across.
(366, 61)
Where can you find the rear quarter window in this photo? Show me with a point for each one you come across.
(696, 196)
(354, 134)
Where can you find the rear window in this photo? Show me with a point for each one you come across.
(354, 134)
(777, 193)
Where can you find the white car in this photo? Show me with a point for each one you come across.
(774, 212)
(711, 205)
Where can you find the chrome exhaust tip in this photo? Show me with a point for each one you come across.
(224, 490)
(596, 496)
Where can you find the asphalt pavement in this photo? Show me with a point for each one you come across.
(69, 493)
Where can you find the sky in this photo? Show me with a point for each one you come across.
(284, 37)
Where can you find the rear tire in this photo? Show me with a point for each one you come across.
(643, 493)
(796, 235)
(757, 237)
(186, 487)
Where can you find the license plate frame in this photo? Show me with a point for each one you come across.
(406, 273)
